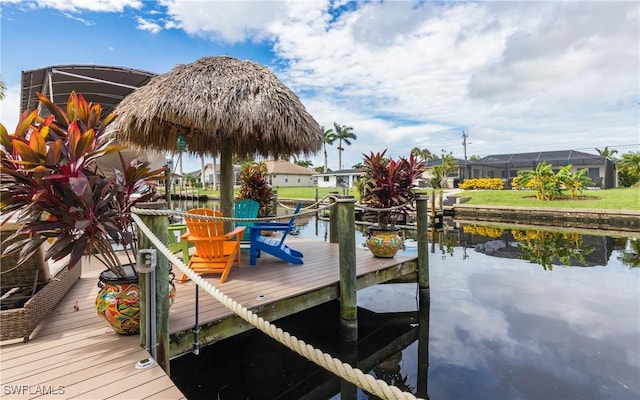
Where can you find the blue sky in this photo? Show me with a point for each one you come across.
(516, 76)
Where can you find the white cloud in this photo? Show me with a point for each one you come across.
(92, 5)
(223, 21)
(147, 25)
(10, 107)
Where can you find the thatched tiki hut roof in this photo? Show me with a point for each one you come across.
(222, 106)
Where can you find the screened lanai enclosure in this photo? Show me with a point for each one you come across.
(601, 170)
(99, 84)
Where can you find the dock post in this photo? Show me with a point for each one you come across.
(333, 221)
(423, 251)
(433, 207)
(346, 239)
(167, 185)
(159, 225)
(274, 203)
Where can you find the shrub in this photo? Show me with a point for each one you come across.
(482, 183)
(254, 186)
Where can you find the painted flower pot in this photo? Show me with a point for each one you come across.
(118, 301)
(384, 242)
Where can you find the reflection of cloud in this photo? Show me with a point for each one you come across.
(527, 333)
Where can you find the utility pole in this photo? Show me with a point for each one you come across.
(464, 143)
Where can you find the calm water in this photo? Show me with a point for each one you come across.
(513, 314)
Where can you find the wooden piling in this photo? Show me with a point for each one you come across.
(159, 226)
(342, 215)
(422, 217)
(274, 203)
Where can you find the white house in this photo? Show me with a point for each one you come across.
(285, 173)
(279, 173)
(339, 179)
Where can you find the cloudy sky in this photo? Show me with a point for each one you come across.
(515, 76)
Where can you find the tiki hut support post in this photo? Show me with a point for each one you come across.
(227, 182)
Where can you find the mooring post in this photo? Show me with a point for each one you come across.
(274, 203)
(422, 215)
(346, 239)
(433, 207)
(334, 223)
(167, 185)
(159, 226)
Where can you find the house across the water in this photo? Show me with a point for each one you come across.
(279, 173)
(601, 170)
(344, 178)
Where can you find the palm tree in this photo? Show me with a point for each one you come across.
(329, 138)
(606, 152)
(3, 89)
(423, 154)
(344, 134)
(629, 169)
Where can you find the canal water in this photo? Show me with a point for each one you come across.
(514, 313)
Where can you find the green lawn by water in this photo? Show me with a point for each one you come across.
(610, 199)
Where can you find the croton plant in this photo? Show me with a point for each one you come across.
(254, 186)
(388, 185)
(51, 184)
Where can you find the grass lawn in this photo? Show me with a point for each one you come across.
(611, 199)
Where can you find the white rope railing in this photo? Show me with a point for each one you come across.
(169, 213)
(343, 370)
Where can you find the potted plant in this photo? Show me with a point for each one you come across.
(388, 186)
(53, 185)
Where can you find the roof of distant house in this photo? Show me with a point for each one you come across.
(281, 167)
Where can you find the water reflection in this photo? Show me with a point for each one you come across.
(502, 323)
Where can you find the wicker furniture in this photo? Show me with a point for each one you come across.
(20, 281)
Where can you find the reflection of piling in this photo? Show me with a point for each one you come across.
(423, 343)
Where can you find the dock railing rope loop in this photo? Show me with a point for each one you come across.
(394, 208)
(310, 206)
(345, 371)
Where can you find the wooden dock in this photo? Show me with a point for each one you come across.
(74, 354)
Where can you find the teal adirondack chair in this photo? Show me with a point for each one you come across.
(245, 208)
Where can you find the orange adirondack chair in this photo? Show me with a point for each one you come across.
(215, 251)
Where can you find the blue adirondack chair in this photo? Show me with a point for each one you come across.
(276, 248)
(245, 208)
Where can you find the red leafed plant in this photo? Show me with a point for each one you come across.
(388, 184)
(53, 186)
(254, 186)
